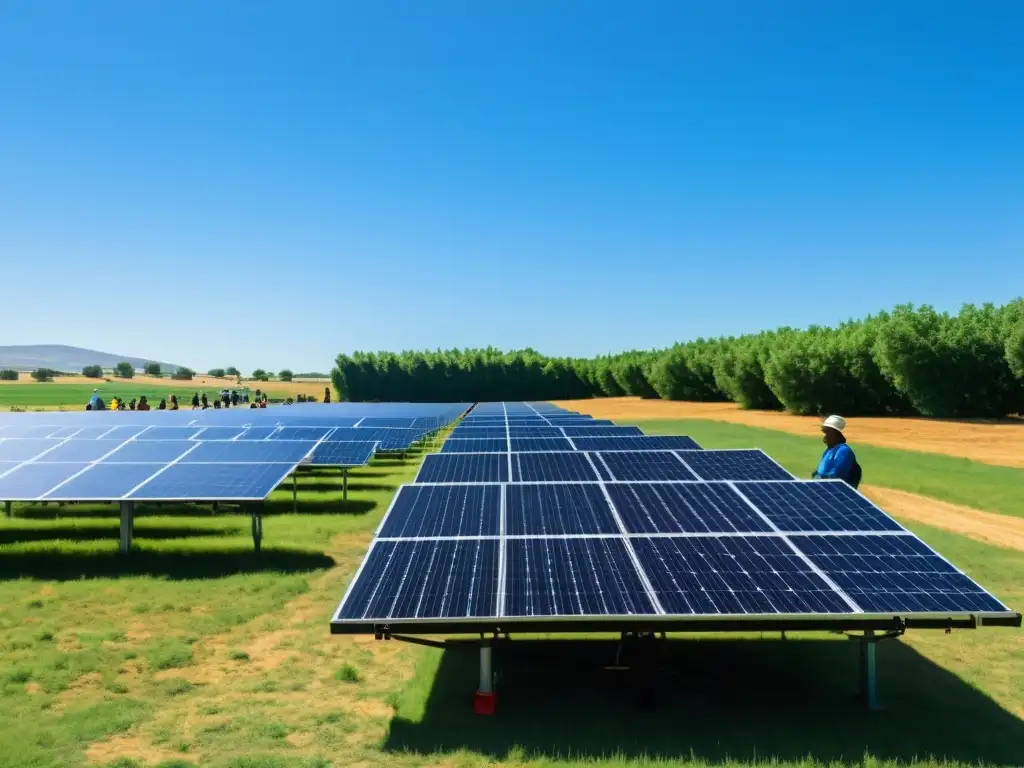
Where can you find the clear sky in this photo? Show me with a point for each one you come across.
(269, 184)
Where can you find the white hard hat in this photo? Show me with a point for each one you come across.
(838, 423)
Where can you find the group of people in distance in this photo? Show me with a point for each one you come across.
(224, 399)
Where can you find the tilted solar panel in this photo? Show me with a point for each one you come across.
(488, 445)
(464, 468)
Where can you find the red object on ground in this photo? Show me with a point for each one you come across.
(484, 703)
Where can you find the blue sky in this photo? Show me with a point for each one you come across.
(268, 184)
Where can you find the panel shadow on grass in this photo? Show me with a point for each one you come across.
(63, 565)
(711, 700)
(12, 534)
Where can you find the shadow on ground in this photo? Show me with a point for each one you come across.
(711, 700)
(15, 534)
(191, 564)
(308, 505)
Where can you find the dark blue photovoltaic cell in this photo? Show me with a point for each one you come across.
(343, 454)
(398, 439)
(895, 574)
(397, 423)
(105, 482)
(426, 580)
(301, 433)
(63, 432)
(734, 465)
(24, 449)
(515, 432)
(444, 510)
(580, 422)
(80, 450)
(124, 432)
(493, 445)
(7, 466)
(733, 575)
(635, 443)
(575, 432)
(155, 451)
(643, 465)
(561, 467)
(476, 433)
(572, 577)
(168, 433)
(257, 433)
(214, 481)
(83, 433)
(822, 505)
(464, 468)
(552, 510)
(219, 433)
(253, 452)
(30, 430)
(684, 508)
(521, 444)
(30, 481)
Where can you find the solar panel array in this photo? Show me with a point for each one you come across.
(534, 517)
(231, 455)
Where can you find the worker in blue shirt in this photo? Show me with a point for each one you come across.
(838, 461)
(94, 401)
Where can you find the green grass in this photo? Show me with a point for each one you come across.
(960, 481)
(74, 396)
(198, 651)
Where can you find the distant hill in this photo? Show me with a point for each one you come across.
(61, 357)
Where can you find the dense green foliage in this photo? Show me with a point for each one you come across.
(230, 371)
(152, 369)
(93, 371)
(216, 373)
(43, 374)
(285, 375)
(8, 374)
(912, 360)
(183, 374)
(124, 370)
(260, 375)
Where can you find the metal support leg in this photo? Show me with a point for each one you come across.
(486, 670)
(868, 683)
(215, 507)
(257, 528)
(7, 508)
(127, 525)
(295, 493)
(344, 484)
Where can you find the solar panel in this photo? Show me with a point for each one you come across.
(151, 451)
(343, 454)
(644, 465)
(438, 510)
(100, 482)
(257, 433)
(23, 449)
(824, 505)
(574, 432)
(451, 579)
(734, 465)
(548, 444)
(465, 433)
(635, 443)
(252, 452)
(552, 467)
(553, 510)
(535, 432)
(29, 481)
(212, 482)
(80, 450)
(684, 508)
(464, 468)
(489, 445)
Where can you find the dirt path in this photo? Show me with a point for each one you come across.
(986, 527)
(995, 442)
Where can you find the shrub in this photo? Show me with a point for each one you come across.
(347, 674)
(260, 375)
(8, 374)
(232, 371)
(43, 374)
(93, 371)
(217, 373)
(124, 370)
(285, 375)
(183, 374)
(152, 369)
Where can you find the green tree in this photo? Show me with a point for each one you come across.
(183, 374)
(260, 375)
(232, 371)
(93, 371)
(217, 373)
(285, 375)
(43, 374)
(124, 370)
(8, 374)
(152, 369)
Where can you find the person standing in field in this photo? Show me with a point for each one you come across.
(162, 405)
(173, 403)
(327, 394)
(838, 461)
(143, 404)
(195, 401)
(94, 400)
(204, 402)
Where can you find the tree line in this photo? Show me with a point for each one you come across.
(912, 360)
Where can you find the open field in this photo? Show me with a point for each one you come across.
(996, 442)
(194, 651)
(73, 392)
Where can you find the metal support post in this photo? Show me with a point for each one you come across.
(486, 670)
(344, 484)
(257, 527)
(127, 525)
(868, 683)
(215, 507)
(295, 493)
(7, 508)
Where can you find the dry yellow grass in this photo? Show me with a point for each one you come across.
(991, 442)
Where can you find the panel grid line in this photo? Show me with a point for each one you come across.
(160, 471)
(644, 579)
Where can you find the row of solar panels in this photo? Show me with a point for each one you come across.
(615, 465)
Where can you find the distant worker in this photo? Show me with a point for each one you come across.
(838, 461)
(203, 401)
(327, 394)
(253, 405)
(195, 401)
(216, 404)
(115, 403)
(225, 398)
(162, 405)
(143, 404)
(94, 399)
(131, 404)
(172, 404)
(235, 399)
(88, 406)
